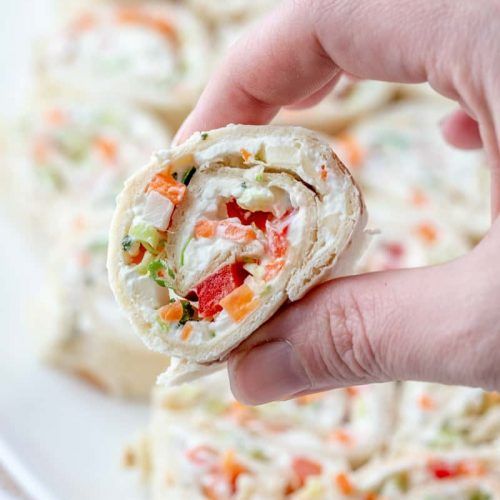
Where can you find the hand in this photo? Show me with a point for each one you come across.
(438, 324)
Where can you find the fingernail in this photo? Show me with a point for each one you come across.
(268, 372)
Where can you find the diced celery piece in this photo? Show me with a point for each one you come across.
(146, 234)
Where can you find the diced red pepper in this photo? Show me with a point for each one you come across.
(303, 468)
(277, 241)
(217, 286)
(443, 470)
(137, 259)
(247, 217)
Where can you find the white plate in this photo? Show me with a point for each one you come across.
(65, 437)
(58, 438)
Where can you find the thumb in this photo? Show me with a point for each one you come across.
(409, 324)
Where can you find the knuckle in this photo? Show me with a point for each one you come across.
(352, 321)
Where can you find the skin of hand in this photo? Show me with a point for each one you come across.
(440, 323)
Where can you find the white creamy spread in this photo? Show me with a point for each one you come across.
(222, 221)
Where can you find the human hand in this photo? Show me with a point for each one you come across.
(438, 324)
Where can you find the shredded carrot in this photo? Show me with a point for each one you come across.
(240, 303)
(427, 232)
(341, 436)
(231, 468)
(107, 148)
(83, 22)
(40, 150)
(55, 116)
(167, 186)
(246, 155)
(344, 484)
(418, 198)
(352, 391)
(236, 232)
(303, 468)
(354, 152)
(426, 402)
(273, 268)
(470, 468)
(205, 228)
(186, 331)
(240, 412)
(131, 15)
(309, 398)
(371, 495)
(171, 312)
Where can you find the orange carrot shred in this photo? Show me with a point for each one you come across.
(240, 303)
(205, 228)
(134, 15)
(354, 152)
(341, 436)
(426, 402)
(107, 148)
(344, 484)
(186, 331)
(167, 186)
(427, 232)
(171, 312)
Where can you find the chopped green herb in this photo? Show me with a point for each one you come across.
(244, 185)
(188, 312)
(402, 481)
(266, 291)
(204, 136)
(170, 273)
(258, 454)
(259, 177)
(183, 251)
(127, 243)
(164, 326)
(156, 270)
(258, 156)
(211, 333)
(479, 495)
(146, 234)
(188, 175)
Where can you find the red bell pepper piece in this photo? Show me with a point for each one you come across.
(247, 217)
(443, 470)
(215, 287)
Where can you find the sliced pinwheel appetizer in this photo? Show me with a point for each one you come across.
(224, 12)
(409, 236)
(233, 223)
(79, 154)
(445, 417)
(84, 332)
(151, 53)
(401, 156)
(195, 449)
(465, 474)
(349, 101)
(353, 423)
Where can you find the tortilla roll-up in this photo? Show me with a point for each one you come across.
(214, 235)
(153, 54)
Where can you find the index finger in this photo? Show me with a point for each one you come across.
(300, 47)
